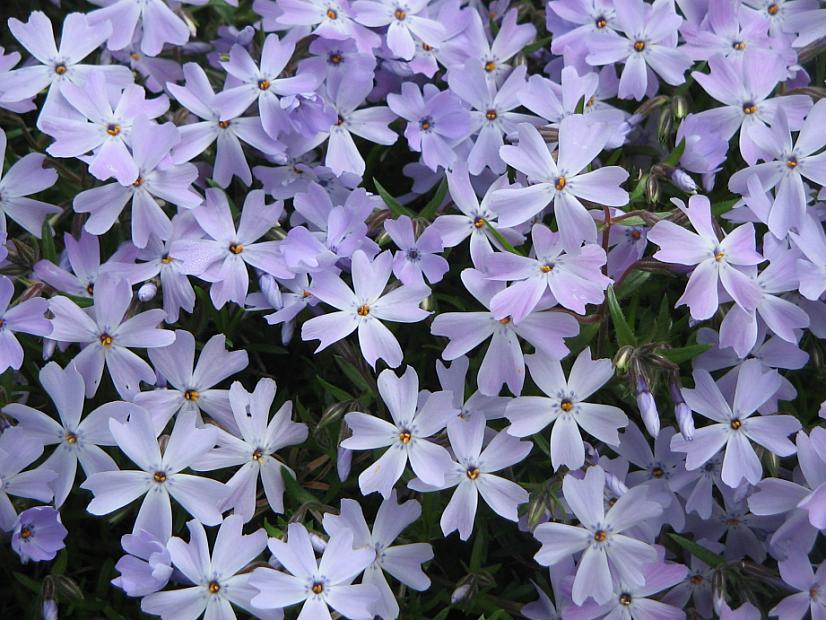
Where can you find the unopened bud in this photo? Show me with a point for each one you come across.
(344, 460)
(652, 189)
(460, 593)
(679, 107)
(623, 357)
(49, 346)
(648, 412)
(427, 304)
(147, 291)
(333, 413)
(49, 609)
(318, 543)
(665, 124)
(685, 421)
(615, 485)
(681, 179)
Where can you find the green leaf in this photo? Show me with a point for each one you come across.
(723, 207)
(295, 490)
(430, 208)
(47, 243)
(638, 189)
(501, 240)
(679, 355)
(580, 106)
(674, 156)
(625, 335)
(698, 551)
(336, 392)
(480, 545)
(271, 530)
(536, 46)
(396, 208)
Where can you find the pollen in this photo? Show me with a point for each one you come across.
(566, 405)
(113, 129)
(546, 268)
(505, 321)
(601, 22)
(257, 454)
(792, 162)
(135, 56)
(191, 395)
(625, 599)
(749, 108)
(305, 294)
(427, 48)
(733, 522)
(736, 424)
(335, 58)
(25, 533)
(719, 255)
(166, 259)
(405, 437)
(490, 66)
(60, 68)
(636, 235)
(71, 438)
(560, 183)
(772, 9)
(263, 84)
(639, 45)
(214, 587)
(491, 115)
(138, 182)
(600, 536)
(479, 222)
(739, 45)
(236, 248)
(425, 124)
(159, 477)
(696, 580)
(318, 587)
(223, 124)
(106, 340)
(658, 472)
(813, 591)
(472, 473)
(340, 120)
(363, 310)
(400, 14)
(90, 288)
(331, 14)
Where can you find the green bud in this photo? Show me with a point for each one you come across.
(679, 107)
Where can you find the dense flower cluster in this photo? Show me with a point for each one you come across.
(592, 296)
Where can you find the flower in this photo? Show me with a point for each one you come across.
(252, 444)
(107, 338)
(38, 534)
(511, 39)
(26, 317)
(473, 474)
(608, 553)
(18, 450)
(406, 437)
(797, 571)
(734, 424)
(503, 363)
(159, 475)
(192, 389)
(77, 440)
(147, 566)
(401, 561)
(318, 584)
(364, 308)
(403, 19)
(564, 405)
(27, 176)
(218, 582)
(562, 181)
(417, 258)
(715, 260)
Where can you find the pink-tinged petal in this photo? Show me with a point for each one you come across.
(400, 41)
(516, 206)
(519, 299)
(744, 290)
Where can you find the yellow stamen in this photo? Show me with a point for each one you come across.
(363, 310)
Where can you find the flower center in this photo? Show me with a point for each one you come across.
(166, 259)
(600, 536)
(639, 45)
(60, 68)
(472, 473)
(425, 124)
(331, 14)
(138, 182)
(505, 321)
(90, 288)
(106, 340)
(26, 533)
(71, 438)
(159, 477)
(696, 580)
(813, 591)
(223, 124)
(214, 587)
(339, 120)
(257, 454)
(413, 255)
(192, 395)
(135, 56)
(601, 22)
(560, 183)
(479, 222)
(491, 115)
(363, 310)
(236, 248)
(625, 599)
(566, 405)
(335, 58)
(546, 268)
(263, 84)
(400, 14)
(490, 66)
(739, 45)
(636, 234)
(719, 255)
(427, 48)
(658, 472)
(773, 8)
(405, 436)
(733, 522)
(792, 162)
(318, 587)
(736, 424)
(113, 129)
(749, 108)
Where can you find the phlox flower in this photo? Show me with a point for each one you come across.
(493, 56)
(418, 257)
(146, 567)
(798, 571)
(26, 317)
(18, 450)
(404, 19)
(38, 534)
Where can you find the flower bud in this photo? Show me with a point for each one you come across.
(681, 179)
(685, 421)
(344, 460)
(648, 407)
(49, 346)
(318, 543)
(460, 593)
(679, 106)
(652, 189)
(147, 291)
(49, 609)
(615, 485)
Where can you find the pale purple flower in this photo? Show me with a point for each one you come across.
(159, 475)
(56, 65)
(811, 267)
(264, 85)
(608, 553)
(27, 176)
(573, 279)
(146, 567)
(217, 579)
(364, 307)
(573, 22)
(436, 121)
(317, 584)
(404, 20)
(77, 440)
(453, 379)
(716, 261)
(191, 386)
(330, 19)
(561, 181)
(734, 424)
(158, 178)
(18, 450)
(503, 363)
(798, 571)
(400, 561)
(26, 317)
(418, 257)
(786, 165)
(406, 437)
(223, 259)
(564, 405)
(198, 97)
(730, 30)
(472, 473)
(493, 57)
(38, 534)
(332, 57)
(251, 444)
(648, 47)
(106, 337)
